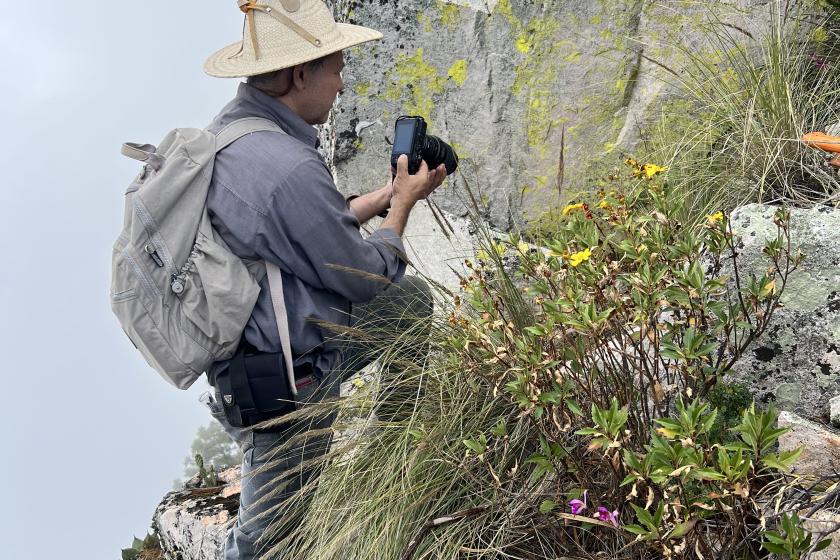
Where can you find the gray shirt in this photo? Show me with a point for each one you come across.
(272, 197)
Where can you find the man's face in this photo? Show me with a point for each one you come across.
(325, 83)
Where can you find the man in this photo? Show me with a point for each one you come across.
(272, 197)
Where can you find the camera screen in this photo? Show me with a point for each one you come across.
(403, 136)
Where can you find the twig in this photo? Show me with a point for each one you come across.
(429, 525)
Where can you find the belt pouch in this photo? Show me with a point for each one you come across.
(254, 387)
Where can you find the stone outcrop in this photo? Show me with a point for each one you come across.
(821, 446)
(822, 525)
(796, 362)
(506, 82)
(192, 523)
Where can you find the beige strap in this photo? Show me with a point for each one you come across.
(143, 152)
(275, 286)
(249, 6)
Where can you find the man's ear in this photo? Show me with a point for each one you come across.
(299, 76)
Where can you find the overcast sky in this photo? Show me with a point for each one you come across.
(94, 437)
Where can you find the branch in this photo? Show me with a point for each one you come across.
(429, 525)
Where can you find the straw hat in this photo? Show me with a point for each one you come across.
(279, 34)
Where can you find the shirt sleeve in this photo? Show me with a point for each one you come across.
(310, 232)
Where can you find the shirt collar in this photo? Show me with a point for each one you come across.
(271, 108)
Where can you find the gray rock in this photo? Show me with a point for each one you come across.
(821, 447)
(504, 81)
(834, 411)
(193, 523)
(437, 249)
(824, 524)
(796, 362)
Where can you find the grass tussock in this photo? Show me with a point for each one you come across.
(747, 98)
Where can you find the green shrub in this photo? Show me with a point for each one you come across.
(566, 409)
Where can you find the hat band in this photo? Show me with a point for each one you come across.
(250, 6)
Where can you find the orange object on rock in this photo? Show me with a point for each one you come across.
(822, 141)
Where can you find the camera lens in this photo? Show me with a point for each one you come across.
(436, 151)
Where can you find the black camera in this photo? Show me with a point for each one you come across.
(410, 139)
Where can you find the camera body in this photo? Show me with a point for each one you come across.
(410, 138)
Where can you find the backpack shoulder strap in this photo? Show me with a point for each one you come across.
(241, 127)
(275, 286)
(225, 137)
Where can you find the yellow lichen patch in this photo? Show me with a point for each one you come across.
(523, 44)
(458, 72)
(424, 21)
(573, 56)
(362, 88)
(504, 9)
(536, 76)
(450, 14)
(463, 153)
(415, 82)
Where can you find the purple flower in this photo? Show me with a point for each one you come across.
(606, 515)
(578, 505)
(818, 62)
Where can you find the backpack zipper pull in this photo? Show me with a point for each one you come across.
(150, 249)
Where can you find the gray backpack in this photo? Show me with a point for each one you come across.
(180, 294)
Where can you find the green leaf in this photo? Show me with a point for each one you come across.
(783, 461)
(645, 518)
(682, 529)
(589, 432)
(822, 545)
(706, 474)
(774, 537)
(574, 407)
(774, 548)
(137, 544)
(636, 530)
(547, 505)
(628, 479)
(474, 446)
(500, 429)
(129, 554)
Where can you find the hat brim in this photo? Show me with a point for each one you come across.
(228, 62)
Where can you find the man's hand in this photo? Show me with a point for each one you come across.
(408, 189)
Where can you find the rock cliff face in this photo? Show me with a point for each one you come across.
(507, 82)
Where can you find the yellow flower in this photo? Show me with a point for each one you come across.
(651, 169)
(603, 205)
(579, 257)
(714, 218)
(570, 207)
(523, 247)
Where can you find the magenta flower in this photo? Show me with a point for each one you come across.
(606, 515)
(578, 505)
(818, 62)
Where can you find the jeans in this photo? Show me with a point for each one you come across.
(262, 497)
